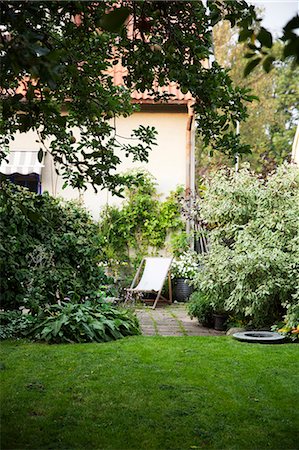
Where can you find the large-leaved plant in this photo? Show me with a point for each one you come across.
(71, 322)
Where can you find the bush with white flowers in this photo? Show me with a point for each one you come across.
(252, 267)
(185, 266)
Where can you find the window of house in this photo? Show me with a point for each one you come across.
(23, 168)
(31, 181)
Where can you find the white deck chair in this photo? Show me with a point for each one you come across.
(153, 277)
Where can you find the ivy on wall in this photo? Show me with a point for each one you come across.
(143, 223)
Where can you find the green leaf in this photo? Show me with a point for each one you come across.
(265, 38)
(252, 46)
(40, 155)
(25, 122)
(292, 24)
(34, 216)
(267, 63)
(56, 327)
(245, 34)
(114, 20)
(251, 65)
(249, 55)
(292, 47)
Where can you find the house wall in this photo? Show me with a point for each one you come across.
(167, 161)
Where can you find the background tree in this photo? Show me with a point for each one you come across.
(272, 120)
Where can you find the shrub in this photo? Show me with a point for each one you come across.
(185, 266)
(290, 325)
(179, 243)
(141, 223)
(83, 322)
(253, 264)
(139, 227)
(200, 306)
(14, 324)
(48, 249)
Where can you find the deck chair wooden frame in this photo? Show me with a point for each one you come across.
(138, 277)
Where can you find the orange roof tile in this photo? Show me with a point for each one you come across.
(118, 73)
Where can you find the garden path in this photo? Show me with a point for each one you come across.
(171, 320)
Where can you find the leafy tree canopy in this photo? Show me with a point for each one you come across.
(272, 121)
(64, 50)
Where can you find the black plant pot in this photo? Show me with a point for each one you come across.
(220, 321)
(181, 289)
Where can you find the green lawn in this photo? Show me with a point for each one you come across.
(150, 393)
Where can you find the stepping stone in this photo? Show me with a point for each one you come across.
(171, 321)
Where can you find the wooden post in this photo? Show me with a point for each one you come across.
(169, 287)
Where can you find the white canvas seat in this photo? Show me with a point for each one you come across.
(152, 279)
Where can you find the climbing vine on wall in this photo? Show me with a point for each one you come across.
(143, 223)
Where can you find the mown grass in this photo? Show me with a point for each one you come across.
(150, 393)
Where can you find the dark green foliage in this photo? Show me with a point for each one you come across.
(260, 43)
(14, 324)
(83, 322)
(272, 121)
(48, 249)
(290, 325)
(199, 306)
(70, 322)
(67, 62)
(67, 66)
(45, 44)
(113, 21)
(141, 225)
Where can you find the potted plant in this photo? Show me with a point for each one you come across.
(183, 270)
(220, 314)
(220, 319)
(199, 306)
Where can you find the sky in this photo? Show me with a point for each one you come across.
(277, 13)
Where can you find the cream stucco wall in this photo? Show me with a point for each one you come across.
(167, 161)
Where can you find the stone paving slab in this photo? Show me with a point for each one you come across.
(171, 320)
